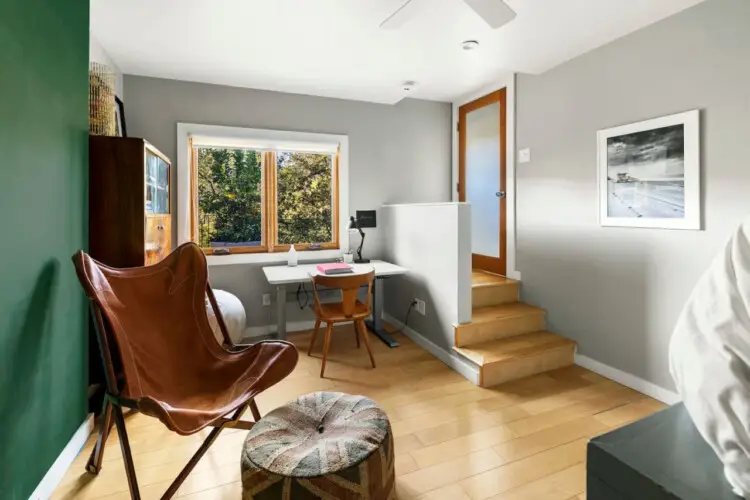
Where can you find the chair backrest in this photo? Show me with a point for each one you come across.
(349, 284)
(156, 316)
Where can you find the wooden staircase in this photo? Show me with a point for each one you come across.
(506, 338)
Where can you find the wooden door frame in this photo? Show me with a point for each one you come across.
(483, 262)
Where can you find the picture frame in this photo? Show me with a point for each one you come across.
(649, 173)
(120, 125)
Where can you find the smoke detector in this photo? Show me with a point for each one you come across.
(409, 85)
(470, 45)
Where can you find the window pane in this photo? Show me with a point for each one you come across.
(229, 197)
(305, 202)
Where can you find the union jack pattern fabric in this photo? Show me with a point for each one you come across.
(324, 445)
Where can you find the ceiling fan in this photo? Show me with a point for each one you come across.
(496, 13)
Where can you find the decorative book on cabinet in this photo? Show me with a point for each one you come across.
(130, 216)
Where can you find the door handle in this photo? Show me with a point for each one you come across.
(500, 194)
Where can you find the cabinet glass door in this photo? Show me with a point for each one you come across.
(157, 184)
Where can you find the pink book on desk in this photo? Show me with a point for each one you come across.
(334, 268)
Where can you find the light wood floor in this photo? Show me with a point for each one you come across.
(456, 441)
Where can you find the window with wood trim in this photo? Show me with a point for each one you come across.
(252, 200)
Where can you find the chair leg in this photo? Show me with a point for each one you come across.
(94, 464)
(314, 337)
(199, 454)
(254, 410)
(363, 331)
(126, 455)
(191, 464)
(356, 334)
(326, 344)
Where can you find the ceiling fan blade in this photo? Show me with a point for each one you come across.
(401, 16)
(496, 13)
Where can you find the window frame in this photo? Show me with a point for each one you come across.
(269, 142)
(273, 219)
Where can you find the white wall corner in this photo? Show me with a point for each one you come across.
(629, 380)
(508, 82)
(61, 465)
(97, 53)
(466, 369)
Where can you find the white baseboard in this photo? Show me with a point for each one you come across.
(464, 368)
(514, 275)
(291, 326)
(55, 473)
(628, 380)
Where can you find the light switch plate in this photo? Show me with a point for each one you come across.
(524, 155)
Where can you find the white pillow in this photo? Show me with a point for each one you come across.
(233, 313)
(709, 358)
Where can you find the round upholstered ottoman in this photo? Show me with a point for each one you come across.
(325, 445)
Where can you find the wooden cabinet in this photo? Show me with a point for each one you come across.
(158, 238)
(130, 215)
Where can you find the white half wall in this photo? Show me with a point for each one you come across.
(432, 241)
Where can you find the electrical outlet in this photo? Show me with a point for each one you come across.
(266, 299)
(420, 306)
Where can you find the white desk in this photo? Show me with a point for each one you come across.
(284, 275)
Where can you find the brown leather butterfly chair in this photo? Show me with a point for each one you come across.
(154, 318)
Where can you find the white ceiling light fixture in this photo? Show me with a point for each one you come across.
(409, 85)
(495, 13)
(470, 45)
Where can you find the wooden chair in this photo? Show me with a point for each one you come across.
(153, 319)
(349, 309)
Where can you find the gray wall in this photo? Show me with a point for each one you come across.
(619, 291)
(398, 154)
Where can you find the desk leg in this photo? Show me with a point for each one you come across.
(376, 324)
(281, 311)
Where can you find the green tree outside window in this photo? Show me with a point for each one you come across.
(230, 186)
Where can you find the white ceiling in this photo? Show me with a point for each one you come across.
(334, 48)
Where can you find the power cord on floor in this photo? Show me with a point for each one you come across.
(301, 288)
(406, 318)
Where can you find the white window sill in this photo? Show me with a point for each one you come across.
(270, 258)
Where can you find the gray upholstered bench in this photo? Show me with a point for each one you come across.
(659, 457)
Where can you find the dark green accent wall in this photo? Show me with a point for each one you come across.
(43, 214)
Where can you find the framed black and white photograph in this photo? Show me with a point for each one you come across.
(120, 126)
(649, 173)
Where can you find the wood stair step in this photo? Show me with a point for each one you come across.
(483, 278)
(499, 321)
(520, 356)
(495, 292)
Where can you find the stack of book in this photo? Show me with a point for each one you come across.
(334, 268)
